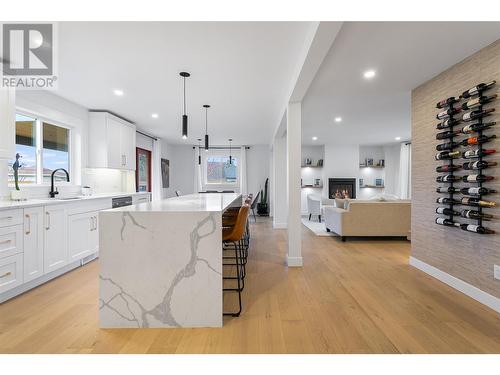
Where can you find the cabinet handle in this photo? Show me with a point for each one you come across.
(6, 274)
(95, 225)
(91, 223)
(4, 242)
(28, 217)
(47, 216)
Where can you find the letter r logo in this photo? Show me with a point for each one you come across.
(27, 49)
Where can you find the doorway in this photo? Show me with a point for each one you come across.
(143, 170)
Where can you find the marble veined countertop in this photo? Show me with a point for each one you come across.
(204, 202)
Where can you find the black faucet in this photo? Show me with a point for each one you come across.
(53, 192)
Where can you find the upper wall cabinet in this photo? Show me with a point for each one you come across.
(7, 123)
(111, 142)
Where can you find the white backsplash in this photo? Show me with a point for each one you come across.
(103, 180)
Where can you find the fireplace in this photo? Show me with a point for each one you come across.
(341, 188)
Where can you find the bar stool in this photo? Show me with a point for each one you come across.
(233, 236)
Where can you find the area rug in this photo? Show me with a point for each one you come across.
(317, 228)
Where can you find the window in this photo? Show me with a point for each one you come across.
(220, 171)
(55, 153)
(42, 147)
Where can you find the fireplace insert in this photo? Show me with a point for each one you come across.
(342, 188)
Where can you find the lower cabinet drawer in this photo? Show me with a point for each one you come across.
(11, 272)
(11, 240)
(11, 217)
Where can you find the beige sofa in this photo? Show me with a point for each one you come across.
(369, 218)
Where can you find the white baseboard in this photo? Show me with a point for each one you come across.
(280, 225)
(460, 285)
(294, 261)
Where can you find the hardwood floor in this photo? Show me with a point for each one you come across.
(353, 297)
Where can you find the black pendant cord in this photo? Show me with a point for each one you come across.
(230, 156)
(184, 75)
(207, 145)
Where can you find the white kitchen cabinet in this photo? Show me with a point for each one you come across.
(82, 234)
(11, 240)
(142, 198)
(7, 123)
(112, 142)
(55, 238)
(33, 243)
(11, 272)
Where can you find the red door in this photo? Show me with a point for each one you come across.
(143, 170)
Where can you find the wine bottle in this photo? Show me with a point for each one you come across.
(447, 211)
(448, 190)
(443, 221)
(471, 141)
(476, 89)
(447, 201)
(447, 113)
(467, 201)
(448, 168)
(476, 102)
(448, 178)
(477, 191)
(443, 155)
(472, 115)
(448, 123)
(447, 146)
(477, 178)
(471, 154)
(476, 228)
(450, 101)
(476, 127)
(475, 215)
(478, 165)
(448, 134)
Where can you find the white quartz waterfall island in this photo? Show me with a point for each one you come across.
(161, 262)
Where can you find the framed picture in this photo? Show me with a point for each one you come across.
(369, 162)
(379, 182)
(165, 173)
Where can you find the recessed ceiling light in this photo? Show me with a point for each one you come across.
(154, 115)
(369, 74)
(314, 138)
(118, 92)
(338, 119)
(397, 138)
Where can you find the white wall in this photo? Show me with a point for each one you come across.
(279, 180)
(143, 142)
(392, 153)
(258, 157)
(340, 161)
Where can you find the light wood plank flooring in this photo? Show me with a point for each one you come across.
(354, 297)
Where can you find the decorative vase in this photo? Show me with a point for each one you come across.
(18, 195)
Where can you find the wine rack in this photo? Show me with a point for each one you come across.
(456, 123)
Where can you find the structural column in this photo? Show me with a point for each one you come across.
(294, 142)
(279, 182)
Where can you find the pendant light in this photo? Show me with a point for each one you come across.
(184, 75)
(199, 147)
(206, 106)
(230, 157)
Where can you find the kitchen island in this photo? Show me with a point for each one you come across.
(161, 262)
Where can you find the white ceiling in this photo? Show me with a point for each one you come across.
(242, 69)
(404, 55)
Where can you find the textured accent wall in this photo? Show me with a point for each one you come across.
(467, 256)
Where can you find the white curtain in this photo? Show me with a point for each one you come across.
(243, 171)
(157, 188)
(197, 170)
(404, 183)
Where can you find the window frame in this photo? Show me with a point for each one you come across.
(219, 153)
(39, 120)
